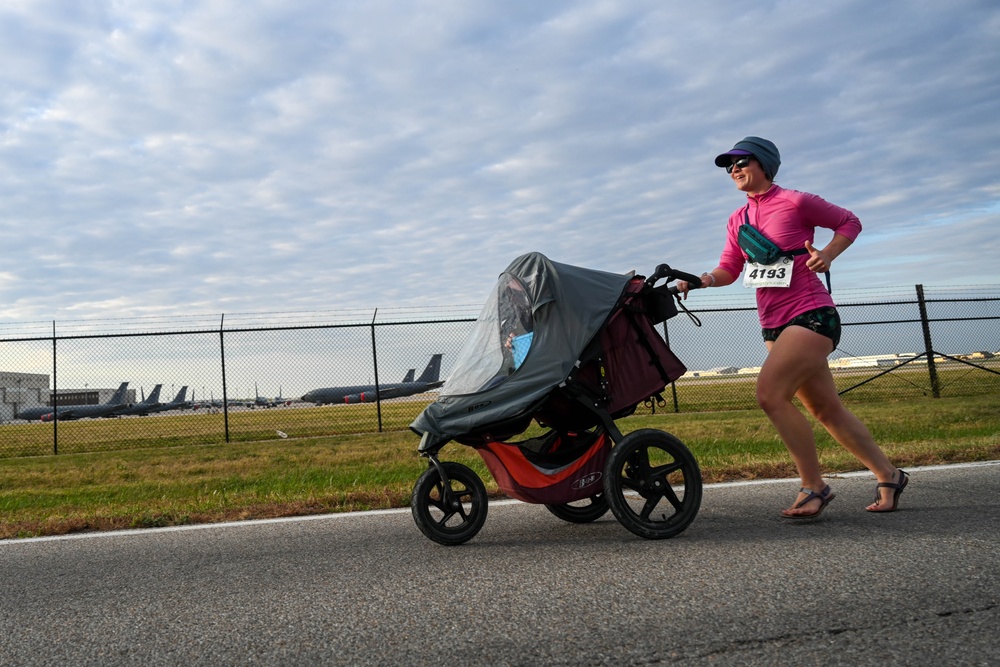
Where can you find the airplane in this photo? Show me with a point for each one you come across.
(177, 404)
(150, 403)
(204, 403)
(258, 401)
(47, 413)
(367, 393)
(279, 399)
(263, 402)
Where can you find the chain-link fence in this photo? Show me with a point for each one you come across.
(889, 334)
(254, 377)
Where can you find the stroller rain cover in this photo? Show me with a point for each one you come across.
(532, 330)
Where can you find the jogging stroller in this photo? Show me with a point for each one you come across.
(573, 349)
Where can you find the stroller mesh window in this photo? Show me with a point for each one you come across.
(499, 343)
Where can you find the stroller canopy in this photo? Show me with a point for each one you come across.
(531, 332)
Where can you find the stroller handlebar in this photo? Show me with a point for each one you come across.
(664, 271)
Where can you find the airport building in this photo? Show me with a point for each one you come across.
(874, 361)
(877, 361)
(847, 363)
(21, 390)
(30, 390)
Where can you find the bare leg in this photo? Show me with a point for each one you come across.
(797, 366)
(819, 396)
(797, 355)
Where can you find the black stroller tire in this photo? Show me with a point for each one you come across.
(449, 524)
(594, 510)
(661, 479)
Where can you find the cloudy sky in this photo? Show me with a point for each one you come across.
(177, 158)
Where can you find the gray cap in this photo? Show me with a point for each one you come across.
(762, 149)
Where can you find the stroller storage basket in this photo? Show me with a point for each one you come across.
(571, 470)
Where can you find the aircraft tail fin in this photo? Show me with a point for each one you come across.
(433, 371)
(119, 396)
(154, 395)
(181, 395)
(409, 375)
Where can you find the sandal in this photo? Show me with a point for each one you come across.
(898, 487)
(825, 496)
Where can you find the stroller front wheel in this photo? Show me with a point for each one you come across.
(653, 484)
(451, 513)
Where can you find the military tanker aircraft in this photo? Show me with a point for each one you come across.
(366, 393)
(47, 413)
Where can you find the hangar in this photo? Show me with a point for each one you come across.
(28, 390)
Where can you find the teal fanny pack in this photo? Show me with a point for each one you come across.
(759, 248)
(762, 250)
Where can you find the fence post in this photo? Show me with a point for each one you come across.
(55, 396)
(225, 399)
(928, 346)
(378, 390)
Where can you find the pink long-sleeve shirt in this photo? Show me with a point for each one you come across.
(789, 218)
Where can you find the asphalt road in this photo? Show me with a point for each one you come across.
(739, 587)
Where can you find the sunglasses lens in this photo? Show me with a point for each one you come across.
(742, 163)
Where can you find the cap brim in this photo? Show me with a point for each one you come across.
(724, 159)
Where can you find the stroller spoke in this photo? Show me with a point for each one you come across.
(656, 491)
(665, 470)
(632, 484)
(460, 507)
(436, 497)
(648, 508)
(672, 498)
(455, 506)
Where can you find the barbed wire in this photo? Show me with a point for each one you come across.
(209, 322)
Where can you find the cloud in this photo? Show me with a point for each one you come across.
(401, 154)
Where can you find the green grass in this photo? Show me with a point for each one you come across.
(212, 481)
(694, 395)
(178, 429)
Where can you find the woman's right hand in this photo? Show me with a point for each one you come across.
(683, 286)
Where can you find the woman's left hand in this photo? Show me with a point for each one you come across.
(817, 261)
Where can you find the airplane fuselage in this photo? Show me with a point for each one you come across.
(369, 393)
(366, 393)
(70, 412)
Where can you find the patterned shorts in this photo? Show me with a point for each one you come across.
(825, 321)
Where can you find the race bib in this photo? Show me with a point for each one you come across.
(778, 274)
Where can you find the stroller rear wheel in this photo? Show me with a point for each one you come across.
(450, 513)
(653, 484)
(581, 511)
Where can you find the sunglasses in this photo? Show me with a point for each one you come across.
(742, 163)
